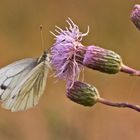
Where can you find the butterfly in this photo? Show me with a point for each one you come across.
(23, 82)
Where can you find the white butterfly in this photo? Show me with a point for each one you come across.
(23, 82)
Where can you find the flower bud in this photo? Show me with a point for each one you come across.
(82, 93)
(102, 60)
(135, 15)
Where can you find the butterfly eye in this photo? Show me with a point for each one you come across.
(3, 87)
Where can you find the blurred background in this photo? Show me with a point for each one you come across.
(56, 117)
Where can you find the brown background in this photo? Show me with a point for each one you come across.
(56, 117)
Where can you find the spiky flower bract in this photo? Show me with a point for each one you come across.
(67, 52)
(135, 15)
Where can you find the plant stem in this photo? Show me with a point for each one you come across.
(120, 104)
(129, 70)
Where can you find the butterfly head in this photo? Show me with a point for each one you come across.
(45, 57)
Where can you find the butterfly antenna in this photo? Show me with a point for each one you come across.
(42, 38)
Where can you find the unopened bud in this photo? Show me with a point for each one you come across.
(135, 15)
(83, 93)
(102, 60)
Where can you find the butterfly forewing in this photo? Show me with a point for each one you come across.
(11, 75)
(17, 66)
(24, 87)
(28, 92)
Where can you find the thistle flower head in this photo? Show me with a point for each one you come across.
(135, 15)
(69, 35)
(82, 93)
(67, 52)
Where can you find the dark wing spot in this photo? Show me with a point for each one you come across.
(3, 87)
(13, 96)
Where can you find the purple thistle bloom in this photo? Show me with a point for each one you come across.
(67, 52)
(69, 56)
(135, 15)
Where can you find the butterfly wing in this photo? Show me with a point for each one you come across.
(11, 75)
(29, 91)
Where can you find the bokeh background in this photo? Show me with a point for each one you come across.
(56, 117)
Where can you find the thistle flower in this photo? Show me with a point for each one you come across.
(82, 93)
(67, 52)
(69, 56)
(135, 15)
